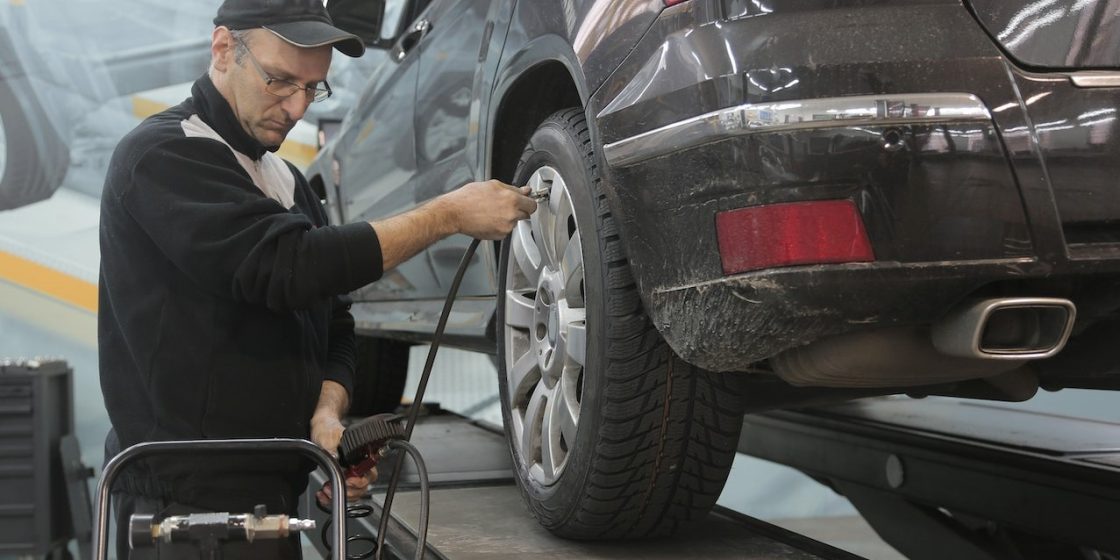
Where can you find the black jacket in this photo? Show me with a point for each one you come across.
(219, 311)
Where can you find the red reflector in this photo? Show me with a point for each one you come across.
(673, 2)
(829, 231)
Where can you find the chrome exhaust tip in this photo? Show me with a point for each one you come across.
(1006, 328)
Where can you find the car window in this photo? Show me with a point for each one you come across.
(393, 9)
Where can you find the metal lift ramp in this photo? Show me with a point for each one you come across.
(965, 480)
(477, 513)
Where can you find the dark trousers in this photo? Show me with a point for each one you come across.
(128, 504)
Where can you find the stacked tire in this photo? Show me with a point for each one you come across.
(34, 156)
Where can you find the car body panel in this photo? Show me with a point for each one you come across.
(1060, 34)
(519, 36)
(596, 36)
(376, 187)
(912, 201)
(957, 205)
(1077, 136)
(945, 216)
(446, 118)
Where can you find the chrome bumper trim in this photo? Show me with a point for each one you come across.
(1095, 79)
(831, 112)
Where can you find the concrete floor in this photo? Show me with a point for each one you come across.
(849, 532)
(492, 523)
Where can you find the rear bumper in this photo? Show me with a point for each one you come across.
(729, 323)
(950, 208)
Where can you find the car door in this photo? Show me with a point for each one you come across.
(377, 159)
(446, 124)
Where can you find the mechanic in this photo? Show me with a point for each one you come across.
(222, 288)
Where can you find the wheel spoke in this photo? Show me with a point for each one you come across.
(558, 195)
(522, 375)
(552, 456)
(575, 337)
(561, 209)
(535, 181)
(565, 410)
(517, 427)
(572, 270)
(519, 309)
(575, 315)
(540, 221)
(526, 253)
(535, 423)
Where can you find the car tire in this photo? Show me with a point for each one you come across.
(34, 158)
(380, 371)
(631, 441)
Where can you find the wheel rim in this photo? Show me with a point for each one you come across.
(545, 331)
(3, 148)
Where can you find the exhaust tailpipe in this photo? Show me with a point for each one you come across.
(1006, 328)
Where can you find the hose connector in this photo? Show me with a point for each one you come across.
(540, 194)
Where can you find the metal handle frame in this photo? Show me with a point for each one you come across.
(302, 446)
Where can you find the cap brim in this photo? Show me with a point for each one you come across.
(310, 34)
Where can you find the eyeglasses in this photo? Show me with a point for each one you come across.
(284, 88)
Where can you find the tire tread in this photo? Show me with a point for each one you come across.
(669, 430)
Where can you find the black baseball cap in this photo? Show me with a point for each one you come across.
(303, 23)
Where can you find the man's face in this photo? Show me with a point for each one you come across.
(266, 117)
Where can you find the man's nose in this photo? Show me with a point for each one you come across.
(295, 105)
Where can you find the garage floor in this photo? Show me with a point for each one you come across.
(498, 527)
(478, 512)
(849, 532)
(465, 382)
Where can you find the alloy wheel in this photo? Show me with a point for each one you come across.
(545, 331)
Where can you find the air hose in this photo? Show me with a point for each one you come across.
(402, 441)
(414, 412)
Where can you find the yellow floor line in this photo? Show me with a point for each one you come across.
(47, 281)
(31, 307)
(143, 107)
(298, 153)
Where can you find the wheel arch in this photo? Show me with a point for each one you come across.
(534, 80)
(522, 107)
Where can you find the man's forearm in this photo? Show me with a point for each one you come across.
(333, 400)
(404, 235)
(483, 210)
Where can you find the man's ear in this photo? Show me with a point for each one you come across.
(221, 48)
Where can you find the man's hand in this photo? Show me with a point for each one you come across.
(326, 432)
(488, 210)
(355, 488)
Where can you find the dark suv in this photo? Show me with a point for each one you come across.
(754, 204)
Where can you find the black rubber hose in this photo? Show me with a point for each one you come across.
(425, 493)
(414, 410)
(356, 511)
